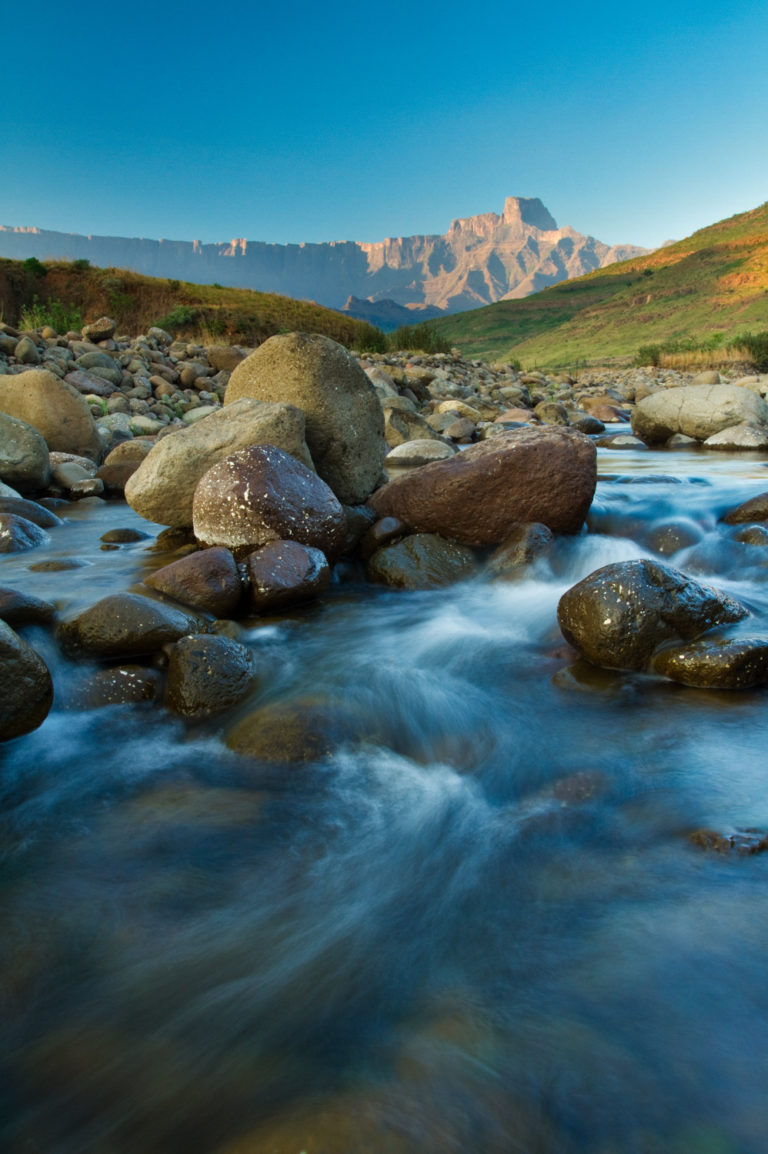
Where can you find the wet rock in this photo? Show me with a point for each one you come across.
(208, 674)
(17, 608)
(58, 412)
(344, 422)
(755, 509)
(27, 693)
(359, 520)
(207, 579)
(621, 441)
(123, 685)
(163, 487)
(30, 510)
(524, 545)
(668, 537)
(285, 573)
(124, 625)
(18, 534)
(618, 615)
(699, 411)
(729, 663)
(263, 494)
(303, 730)
(740, 841)
(421, 561)
(752, 535)
(123, 536)
(382, 532)
(24, 457)
(543, 474)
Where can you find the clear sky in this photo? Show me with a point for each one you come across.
(294, 121)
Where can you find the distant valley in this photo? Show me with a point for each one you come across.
(480, 260)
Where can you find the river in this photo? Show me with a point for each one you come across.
(483, 930)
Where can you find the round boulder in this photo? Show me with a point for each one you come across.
(477, 497)
(345, 425)
(124, 625)
(58, 412)
(207, 675)
(207, 580)
(698, 411)
(618, 615)
(163, 486)
(27, 686)
(264, 494)
(285, 573)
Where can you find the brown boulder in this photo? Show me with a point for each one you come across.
(422, 561)
(479, 496)
(285, 573)
(207, 580)
(124, 625)
(264, 494)
(208, 674)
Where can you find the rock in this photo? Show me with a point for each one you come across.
(285, 573)
(87, 383)
(124, 625)
(551, 413)
(401, 425)
(618, 615)
(514, 417)
(755, 509)
(420, 452)
(27, 693)
(33, 512)
(263, 494)
(460, 409)
(24, 458)
(18, 608)
(621, 441)
(123, 685)
(421, 561)
(300, 731)
(382, 532)
(736, 437)
(731, 663)
(101, 330)
(18, 534)
(524, 545)
(58, 412)
(207, 675)
(208, 580)
(741, 841)
(163, 487)
(707, 377)
(668, 537)
(344, 422)
(26, 352)
(699, 411)
(477, 497)
(462, 431)
(585, 423)
(224, 357)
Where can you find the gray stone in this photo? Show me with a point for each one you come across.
(58, 412)
(699, 411)
(27, 692)
(162, 488)
(24, 457)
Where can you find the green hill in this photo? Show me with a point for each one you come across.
(67, 295)
(709, 287)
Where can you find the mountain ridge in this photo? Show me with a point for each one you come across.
(481, 259)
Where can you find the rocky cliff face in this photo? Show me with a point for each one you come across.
(481, 259)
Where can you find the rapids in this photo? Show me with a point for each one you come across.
(483, 929)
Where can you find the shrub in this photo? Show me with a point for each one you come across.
(178, 318)
(59, 316)
(81, 263)
(649, 355)
(756, 347)
(34, 267)
(422, 337)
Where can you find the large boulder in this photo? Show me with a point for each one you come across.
(162, 487)
(27, 687)
(477, 497)
(263, 494)
(24, 458)
(345, 425)
(617, 616)
(58, 412)
(697, 411)
(208, 580)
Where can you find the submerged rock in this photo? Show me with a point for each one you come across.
(421, 561)
(618, 615)
(728, 663)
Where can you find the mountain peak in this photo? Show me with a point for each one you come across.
(528, 210)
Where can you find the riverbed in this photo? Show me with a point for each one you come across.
(484, 928)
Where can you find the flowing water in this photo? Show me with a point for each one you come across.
(480, 928)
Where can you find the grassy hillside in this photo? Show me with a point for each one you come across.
(713, 283)
(67, 295)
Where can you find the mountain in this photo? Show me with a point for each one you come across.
(479, 260)
(710, 286)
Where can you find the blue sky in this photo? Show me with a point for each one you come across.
(294, 122)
